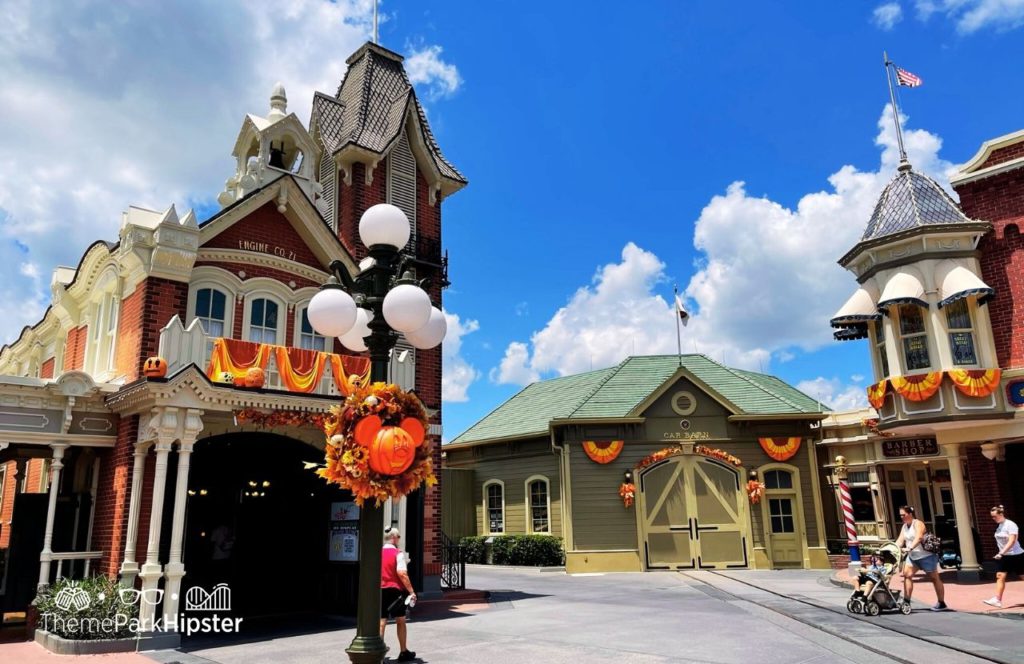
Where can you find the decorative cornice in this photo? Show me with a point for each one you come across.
(218, 255)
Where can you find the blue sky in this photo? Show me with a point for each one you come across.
(735, 149)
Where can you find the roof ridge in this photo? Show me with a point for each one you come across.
(600, 384)
(913, 200)
(492, 411)
(735, 372)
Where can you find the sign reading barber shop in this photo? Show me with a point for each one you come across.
(908, 447)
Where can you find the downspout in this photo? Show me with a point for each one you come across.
(564, 490)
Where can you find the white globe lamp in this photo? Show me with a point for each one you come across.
(407, 308)
(384, 224)
(354, 339)
(331, 312)
(432, 333)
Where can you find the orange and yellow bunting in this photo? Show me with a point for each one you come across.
(780, 449)
(603, 452)
(919, 387)
(975, 382)
(300, 370)
(876, 393)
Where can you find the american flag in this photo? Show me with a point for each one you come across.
(904, 77)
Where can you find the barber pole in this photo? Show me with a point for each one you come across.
(851, 529)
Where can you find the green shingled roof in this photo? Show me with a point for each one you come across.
(615, 392)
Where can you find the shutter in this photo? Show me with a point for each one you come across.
(402, 182)
(328, 174)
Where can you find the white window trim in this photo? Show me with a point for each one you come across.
(296, 341)
(219, 279)
(229, 306)
(529, 507)
(973, 330)
(487, 512)
(282, 315)
(928, 335)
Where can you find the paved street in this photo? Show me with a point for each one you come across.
(694, 617)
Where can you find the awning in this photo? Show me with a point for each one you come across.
(860, 308)
(959, 283)
(904, 287)
(851, 332)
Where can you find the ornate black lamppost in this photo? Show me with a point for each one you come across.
(367, 312)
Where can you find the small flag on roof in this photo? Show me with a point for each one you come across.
(905, 78)
(684, 315)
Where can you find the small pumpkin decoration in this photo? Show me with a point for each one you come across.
(391, 449)
(226, 377)
(255, 377)
(154, 367)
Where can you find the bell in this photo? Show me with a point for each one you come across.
(277, 155)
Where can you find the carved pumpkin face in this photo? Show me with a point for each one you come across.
(155, 367)
(391, 449)
(226, 377)
(254, 377)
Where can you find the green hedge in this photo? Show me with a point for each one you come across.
(86, 610)
(524, 550)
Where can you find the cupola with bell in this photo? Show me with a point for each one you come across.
(271, 147)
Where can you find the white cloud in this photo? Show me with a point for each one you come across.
(834, 394)
(888, 15)
(459, 374)
(766, 284)
(107, 106)
(969, 16)
(425, 67)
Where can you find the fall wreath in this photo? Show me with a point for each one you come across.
(376, 444)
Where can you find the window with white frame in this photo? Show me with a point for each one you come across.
(494, 506)
(880, 352)
(914, 336)
(538, 505)
(263, 321)
(308, 338)
(111, 329)
(961, 333)
(211, 310)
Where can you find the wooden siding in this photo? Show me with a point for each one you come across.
(458, 518)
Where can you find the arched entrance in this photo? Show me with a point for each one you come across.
(259, 519)
(693, 515)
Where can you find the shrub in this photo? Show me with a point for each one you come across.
(473, 550)
(89, 609)
(527, 550)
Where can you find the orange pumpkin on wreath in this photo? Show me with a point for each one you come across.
(391, 449)
(154, 367)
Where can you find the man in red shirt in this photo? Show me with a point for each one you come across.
(394, 584)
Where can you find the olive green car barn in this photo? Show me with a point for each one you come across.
(552, 460)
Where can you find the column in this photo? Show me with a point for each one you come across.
(46, 556)
(969, 568)
(152, 571)
(130, 568)
(175, 569)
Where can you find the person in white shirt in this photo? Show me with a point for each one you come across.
(1009, 558)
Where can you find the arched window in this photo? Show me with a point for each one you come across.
(263, 321)
(961, 333)
(211, 310)
(778, 479)
(538, 505)
(308, 338)
(494, 507)
(914, 335)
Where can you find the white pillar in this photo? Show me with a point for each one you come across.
(130, 568)
(175, 568)
(152, 571)
(46, 556)
(961, 508)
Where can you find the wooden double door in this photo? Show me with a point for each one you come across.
(693, 515)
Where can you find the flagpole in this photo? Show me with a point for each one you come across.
(679, 335)
(895, 108)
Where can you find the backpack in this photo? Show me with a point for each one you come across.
(931, 543)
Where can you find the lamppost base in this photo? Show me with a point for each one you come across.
(366, 650)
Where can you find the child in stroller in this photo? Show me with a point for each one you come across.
(872, 594)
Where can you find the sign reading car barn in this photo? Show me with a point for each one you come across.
(909, 447)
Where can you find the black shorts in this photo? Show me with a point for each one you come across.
(1011, 564)
(392, 603)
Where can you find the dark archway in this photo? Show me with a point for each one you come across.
(258, 519)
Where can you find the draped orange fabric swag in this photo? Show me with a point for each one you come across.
(919, 387)
(975, 382)
(603, 452)
(780, 449)
(301, 370)
(877, 392)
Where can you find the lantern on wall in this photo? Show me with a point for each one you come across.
(154, 367)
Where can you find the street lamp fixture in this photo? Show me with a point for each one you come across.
(366, 312)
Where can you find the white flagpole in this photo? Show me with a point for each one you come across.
(895, 108)
(675, 312)
(376, 40)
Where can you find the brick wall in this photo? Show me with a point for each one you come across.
(990, 484)
(74, 348)
(46, 369)
(7, 491)
(35, 476)
(162, 300)
(1003, 155)
(269, 227)
(354, 199)
(129, 334)
(1000, 200)
(111, 523)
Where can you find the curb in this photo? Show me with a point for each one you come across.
(517, 568)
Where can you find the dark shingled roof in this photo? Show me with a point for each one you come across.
(370, 106)
(912, 200)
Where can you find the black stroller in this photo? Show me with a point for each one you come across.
(879, 597)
